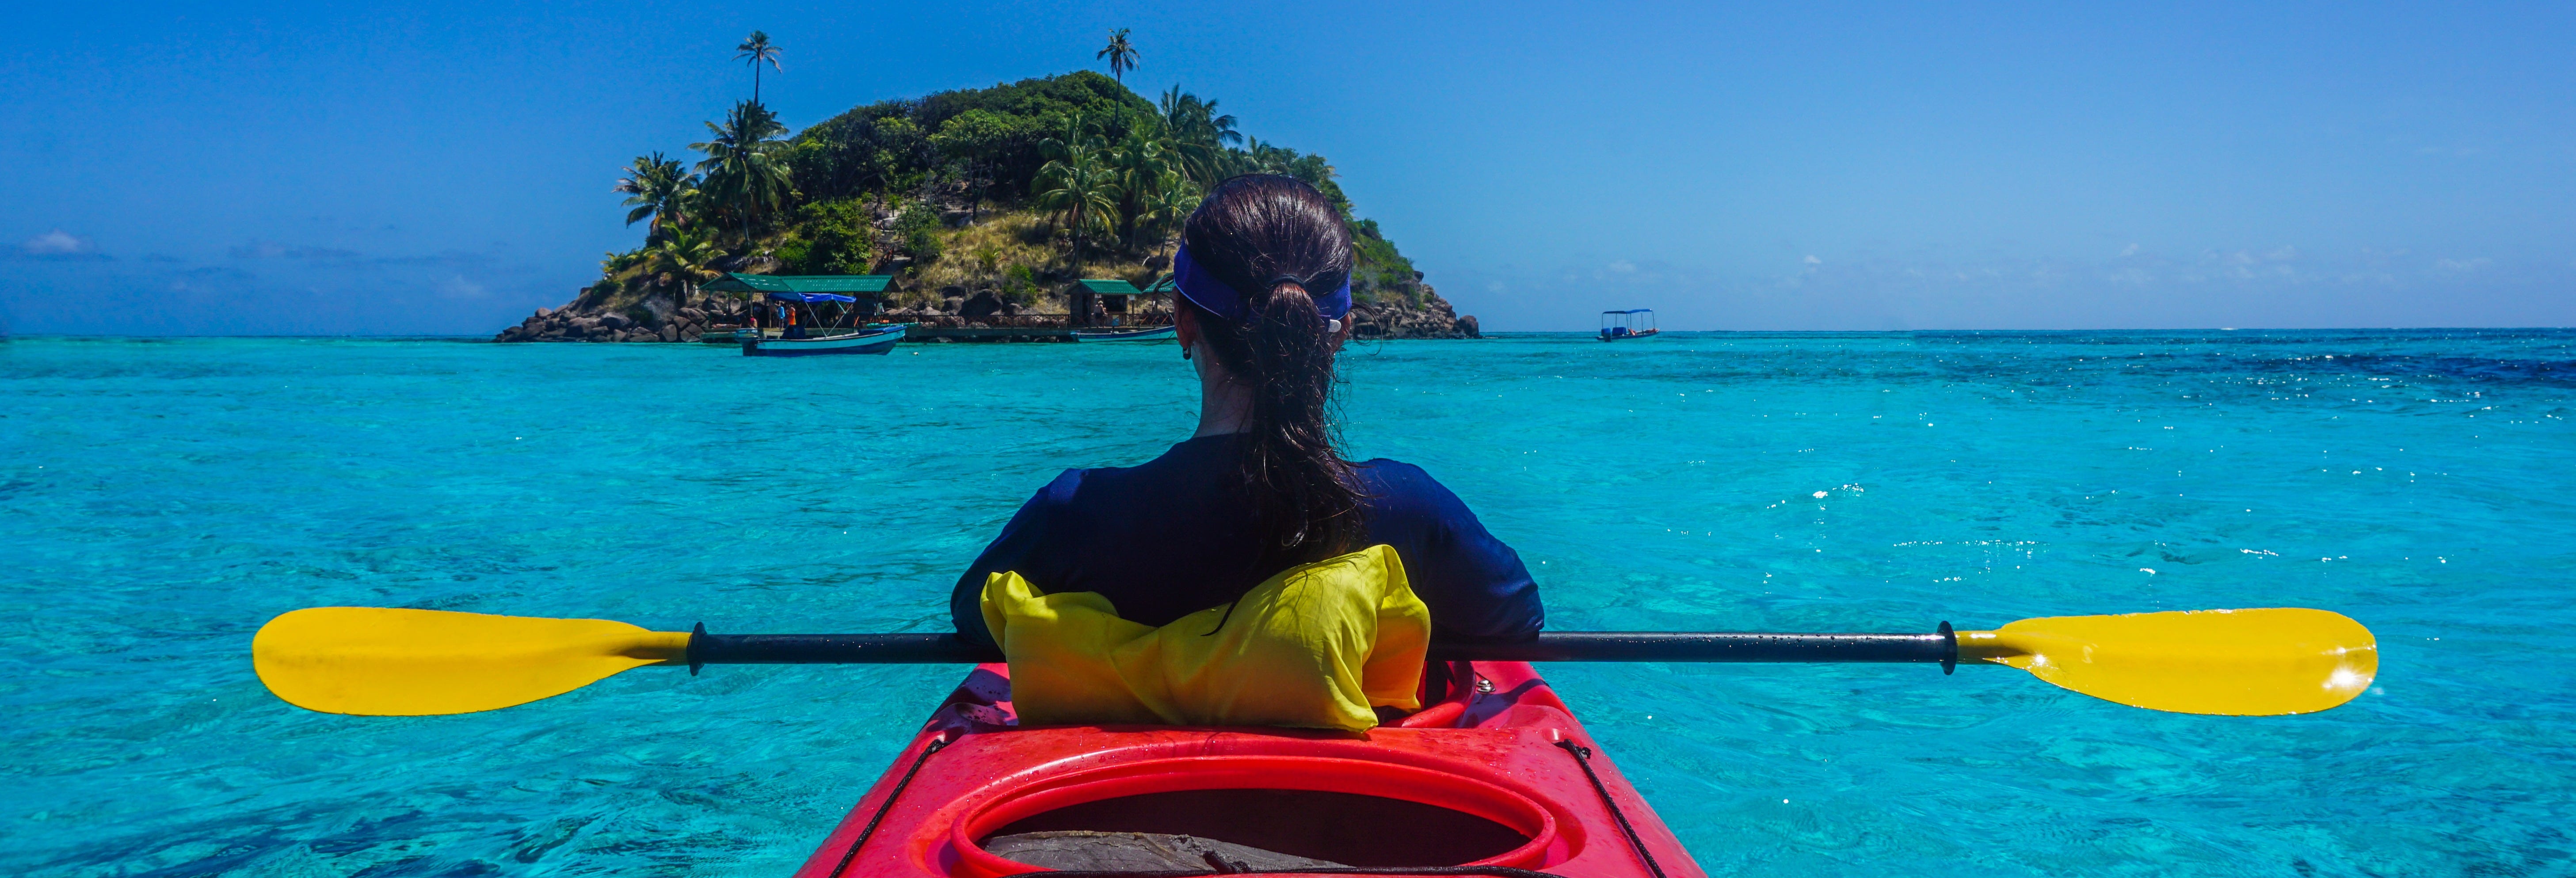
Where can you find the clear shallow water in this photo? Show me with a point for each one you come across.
(160, 499)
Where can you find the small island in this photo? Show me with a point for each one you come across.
(1015, 212)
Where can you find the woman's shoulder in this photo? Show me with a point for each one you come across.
(1399, 487)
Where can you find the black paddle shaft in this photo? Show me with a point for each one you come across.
(1940, 648)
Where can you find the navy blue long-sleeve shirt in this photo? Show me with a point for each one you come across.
(1170, 538)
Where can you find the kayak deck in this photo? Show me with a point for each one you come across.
(1494, 776)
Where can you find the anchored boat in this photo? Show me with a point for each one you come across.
(871, 340)
(1632, 323)
(1150, 333)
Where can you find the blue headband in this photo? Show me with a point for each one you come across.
(1205, 291)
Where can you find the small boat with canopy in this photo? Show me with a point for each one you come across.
(1632, 323)
(812, 314)
(809, 330)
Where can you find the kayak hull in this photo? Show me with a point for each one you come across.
(1501, 764)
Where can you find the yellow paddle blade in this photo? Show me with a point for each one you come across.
(2239, 662)
(384, 662)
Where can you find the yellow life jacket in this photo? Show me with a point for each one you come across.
(1317, 646)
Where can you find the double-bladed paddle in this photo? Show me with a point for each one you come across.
(396, 662)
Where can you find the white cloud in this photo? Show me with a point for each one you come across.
(1812, 260)
(458, 287)
(2131, 250)
(1624, 267)
(56, 243)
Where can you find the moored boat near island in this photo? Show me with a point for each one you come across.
(1632, 323)
(1150, 333)
(871, 340)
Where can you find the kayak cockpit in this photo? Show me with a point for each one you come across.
(1496, 774)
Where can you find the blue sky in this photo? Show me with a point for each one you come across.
(444, 168)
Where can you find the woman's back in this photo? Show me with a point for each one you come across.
(1174, 536)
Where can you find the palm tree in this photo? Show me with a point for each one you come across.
(1077, 184)
(1121, 55)
(1199, 134)
(658, 188)
(686, 258)
(1165, 204)
(743, 168)
(755, 49)
(1139, 162)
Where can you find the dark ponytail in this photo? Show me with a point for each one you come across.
(1281, 244)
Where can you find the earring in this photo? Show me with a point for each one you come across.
(1185, 352)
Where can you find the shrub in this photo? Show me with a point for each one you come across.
(833, 237)
(1020, 285)
(918, 231)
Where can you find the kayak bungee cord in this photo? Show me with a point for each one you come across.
(1583, 757)
(936, 744)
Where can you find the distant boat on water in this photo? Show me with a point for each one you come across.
(1632, 323)
(872, 340)
(1150, 333)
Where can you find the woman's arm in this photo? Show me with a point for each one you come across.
(1476, 586)
(1020, 547)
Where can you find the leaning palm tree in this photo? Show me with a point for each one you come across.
(1121, 55)
(1199, 134)
(745, 170)
(755, 49)
(660, 189)
(685, 258)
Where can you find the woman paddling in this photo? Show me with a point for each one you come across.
(1264, 279)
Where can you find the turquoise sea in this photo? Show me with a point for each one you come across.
(160, 499)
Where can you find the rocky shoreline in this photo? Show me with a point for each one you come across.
(599, 322)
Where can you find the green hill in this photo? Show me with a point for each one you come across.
(1005, 193)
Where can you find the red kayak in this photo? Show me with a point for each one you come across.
(1497, 779)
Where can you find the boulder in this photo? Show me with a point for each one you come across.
(543, 313)
(950, 305)
(1467, 326)
(983, 304)
(670, 333)
(615, 321)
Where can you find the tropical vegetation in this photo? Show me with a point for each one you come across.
(1016, 188)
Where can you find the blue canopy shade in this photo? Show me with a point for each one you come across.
(1632, 311)
(811, 297)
